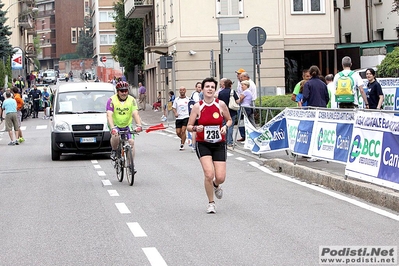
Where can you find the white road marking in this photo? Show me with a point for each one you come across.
(240, 159)
(101, 173)
(113, 193)
(94, 161)
(22, 127)
(97, 166)
(106, 182)
(328, 192)
(229, 154)
(122, 208)
(136, 230)
(154, 257)
(41, 127)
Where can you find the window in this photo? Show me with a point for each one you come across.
(107, 16)
(380, 34)
(347, 3)
(107, 38)
(74, 35)
(308, 6)
(229, 8)
(87, 7)
(348, 37)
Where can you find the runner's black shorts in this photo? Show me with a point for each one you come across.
(217, 150)
(181, 122)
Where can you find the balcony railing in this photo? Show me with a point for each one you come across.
(138, 8)
(155, 37)
(26, 21)
(142, 2)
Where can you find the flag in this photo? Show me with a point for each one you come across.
(156, 127)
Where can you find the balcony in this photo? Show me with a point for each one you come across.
(155, 40)
(26, 21)
(138, 8)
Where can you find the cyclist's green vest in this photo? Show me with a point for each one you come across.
(122, 115)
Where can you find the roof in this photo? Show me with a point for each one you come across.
(82, 86)
(367, 45)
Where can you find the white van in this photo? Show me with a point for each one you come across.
(79, 122)
(49, 76)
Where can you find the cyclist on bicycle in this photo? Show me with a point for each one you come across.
(121, 110)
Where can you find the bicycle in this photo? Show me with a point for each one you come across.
(124, 158)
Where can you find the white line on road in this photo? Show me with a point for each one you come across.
(101, 173)
(97, 166)
(154, 257)
(240, 159)
(113, 193)
(22, 127)
(328, 192)
(41, 127)
(94, 161)
(136, 230)
(122, 208)
(106, 182)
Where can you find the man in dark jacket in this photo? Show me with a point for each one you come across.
(36, 95)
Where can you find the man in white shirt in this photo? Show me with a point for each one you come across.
(252, 86)
(347, 64)
(180, 109)
(331, 91)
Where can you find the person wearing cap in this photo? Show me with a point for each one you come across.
(238, 72)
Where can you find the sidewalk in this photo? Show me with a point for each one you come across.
(323, 173)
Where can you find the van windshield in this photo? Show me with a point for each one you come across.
(82, 102)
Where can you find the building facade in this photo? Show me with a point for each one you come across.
(21, 15)
(102, 15)
(365, 30)
(209, 39)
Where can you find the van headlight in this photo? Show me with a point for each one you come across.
(62, 126)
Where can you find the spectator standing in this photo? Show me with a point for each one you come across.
(305, 76)
(142, 96)
(19, 84)
(246, 102)
(299, 97)
(10, 108)
(35, 94)
(45, 101)
(375, 96)
(221, 86)
(358, 86)
(238, 73)
(180, 109)
(331, 91)
(211, 145)
(252, 86)
(195, 97)
(20, 105)
(315, 91)
(224, 95)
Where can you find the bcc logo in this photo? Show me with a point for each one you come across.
(366, 147)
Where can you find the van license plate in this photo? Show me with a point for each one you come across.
(88, 140)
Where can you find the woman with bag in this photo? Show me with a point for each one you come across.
(229, 96)
(246, 102)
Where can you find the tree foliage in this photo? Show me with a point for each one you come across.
(85, 44)
(5, 31)
(128, 48)
(395, 6)
(389, 67)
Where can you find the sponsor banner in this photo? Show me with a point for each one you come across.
(300, 124)
(270, 137)
(373, 154)
(17, 60)
(390, 88)
(332, 135)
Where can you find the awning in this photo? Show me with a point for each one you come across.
(367, 45)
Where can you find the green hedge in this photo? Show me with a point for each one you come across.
(272, 101)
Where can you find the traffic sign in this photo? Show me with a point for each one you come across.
(17, 59)
(104, 59)
(257, 36)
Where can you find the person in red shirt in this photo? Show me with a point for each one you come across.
(211, 139)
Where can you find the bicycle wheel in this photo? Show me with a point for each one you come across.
(129, 165)
(119, 165)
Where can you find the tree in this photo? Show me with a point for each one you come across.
(5, 31)
(395, 6)
(85, 43)
(389, 67)
(129, 45)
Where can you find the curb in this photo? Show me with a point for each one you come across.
(368, 192)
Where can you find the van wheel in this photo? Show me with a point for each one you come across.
(55, 156)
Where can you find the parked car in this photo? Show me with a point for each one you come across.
(79, 123)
